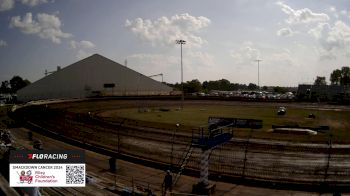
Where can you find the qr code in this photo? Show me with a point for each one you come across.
(75, 174)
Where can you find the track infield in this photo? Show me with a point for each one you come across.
(195, 115)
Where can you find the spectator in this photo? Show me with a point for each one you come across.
(168, 182)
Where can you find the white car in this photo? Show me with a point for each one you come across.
(281, 111)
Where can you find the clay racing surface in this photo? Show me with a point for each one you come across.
(257, 156)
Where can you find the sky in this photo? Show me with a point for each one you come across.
(295, 40)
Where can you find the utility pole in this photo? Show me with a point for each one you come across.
(258, 60)
(181, 42)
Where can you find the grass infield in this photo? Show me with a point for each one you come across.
(196, 115)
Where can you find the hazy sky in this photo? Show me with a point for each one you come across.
(296, 40)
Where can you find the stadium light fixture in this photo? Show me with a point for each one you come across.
(181, 42)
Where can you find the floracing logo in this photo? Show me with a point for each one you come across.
(47, 156)
(30, 156)
(26, 177)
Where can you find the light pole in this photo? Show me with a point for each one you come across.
(181, 42)
(258, 60)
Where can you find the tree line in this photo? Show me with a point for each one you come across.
(223, 85)
(337, 77)
(195, 85)
(13, 85)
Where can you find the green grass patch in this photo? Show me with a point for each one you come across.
(337, 120)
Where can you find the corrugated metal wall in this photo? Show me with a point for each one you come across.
(87, 77)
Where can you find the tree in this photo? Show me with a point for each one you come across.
(17, 83)
(345, 76)
(224, 85)
(278, 89)
(320, 81)
(27, 82)
(5, 87)
(340, 77)
(192, 86)
(335, 77)
(176, 86)
(252, 86)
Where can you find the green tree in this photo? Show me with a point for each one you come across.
(278, 89)
(224, 85)
(252, 86)
(5, 87)
(192, 86)
(345, 76)
(335, 77)
(320, 81)
(340, 77)
(17, 83)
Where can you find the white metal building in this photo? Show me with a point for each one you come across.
(94, 75)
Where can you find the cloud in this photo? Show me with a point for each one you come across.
(304, 15)
(33, 3)
(3, 43)
(82, 44)
(6, 4)
(81, 54)
(338, 36)
(318, 31)
(200, 59)
(9, 4)
(150, 64)
(157, 60)
(345, 13)
(83, 48)
(46, 26)
(285, 32)
(334, 40)
(332, 9)
(164, 31)
(191, 59)
(246, 54)
(195, 64)
(283, 57)
(278, 65)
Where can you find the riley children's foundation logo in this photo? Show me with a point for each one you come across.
(25, 177)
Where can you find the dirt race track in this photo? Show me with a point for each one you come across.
(243, 159)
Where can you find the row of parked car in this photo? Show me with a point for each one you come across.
(248, 94)
(6, 98)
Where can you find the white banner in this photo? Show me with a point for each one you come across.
(47, 175)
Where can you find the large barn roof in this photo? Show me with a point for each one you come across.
(89, 76)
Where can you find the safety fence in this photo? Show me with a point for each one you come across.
(242, 158)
